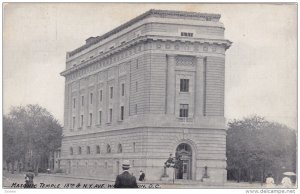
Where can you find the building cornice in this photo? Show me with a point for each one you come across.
(146, 38)
(152, 12)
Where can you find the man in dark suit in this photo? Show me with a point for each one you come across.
(126, 180)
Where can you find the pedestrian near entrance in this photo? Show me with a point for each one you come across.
(142, 176)
(125, 180)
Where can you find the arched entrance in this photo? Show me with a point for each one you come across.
(184, 152)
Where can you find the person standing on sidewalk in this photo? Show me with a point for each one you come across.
(270, 181)
(142, 176)
(125, 180)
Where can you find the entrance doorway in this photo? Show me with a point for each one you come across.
(184, 171)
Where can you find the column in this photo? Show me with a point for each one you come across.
(69, 105)
(97, 100)
(78, 104)
(170, 84)
(105, 98)
(199, 86)
(127, 91)
(116, 97)
(87, 103)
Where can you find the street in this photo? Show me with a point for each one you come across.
(56, 181)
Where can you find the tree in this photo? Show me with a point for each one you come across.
(256, 147)
(13, 140)
(31, 134)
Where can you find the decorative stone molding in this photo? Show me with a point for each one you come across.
(156, 13)
(122, 69)
(111, 73)
(130, 49)
(185, 61)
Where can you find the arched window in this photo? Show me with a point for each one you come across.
(71, 151)
(98, 149)
(120, 148)
(108, 149)
(184, 147)
(79, 150)
(88, 150)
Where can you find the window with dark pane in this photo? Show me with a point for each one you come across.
(184, 110)
(100, 95)
(122, 113)
(111, 92)
(98, 149)
(184, 85)
(110, 115)
(123, 89)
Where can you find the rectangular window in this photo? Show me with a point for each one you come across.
(110, 115)
(136, 86)
(184, 85)
(91, 98)
(82, 100)
(111, 92)
(122, 113)
(184, 110)
(137, 63)
(135, 109)
(100, 95)
(74, 102)
(100, 117)
(91, 119)
(123, 90)
(98, 149)
(81, 120)
(73, 123)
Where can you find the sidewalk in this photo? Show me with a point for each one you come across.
(9, 179)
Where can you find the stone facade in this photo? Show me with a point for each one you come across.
(140, 91)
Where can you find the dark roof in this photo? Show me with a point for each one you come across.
(161, 13)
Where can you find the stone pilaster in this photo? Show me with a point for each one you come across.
(127, 91)
(199, 86)
(105, 99)
(86, 114)
(170, 84)
(116, 97)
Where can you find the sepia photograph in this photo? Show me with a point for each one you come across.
(149, 96)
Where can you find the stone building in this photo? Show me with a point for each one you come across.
(150, 87)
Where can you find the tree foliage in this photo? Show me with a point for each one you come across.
(256, 147)
(29, 133)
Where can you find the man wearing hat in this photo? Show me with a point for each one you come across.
(126, 180)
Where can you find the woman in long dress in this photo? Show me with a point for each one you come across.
(270, 181)
(286, 182)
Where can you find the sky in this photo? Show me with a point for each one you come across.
(260, 71)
